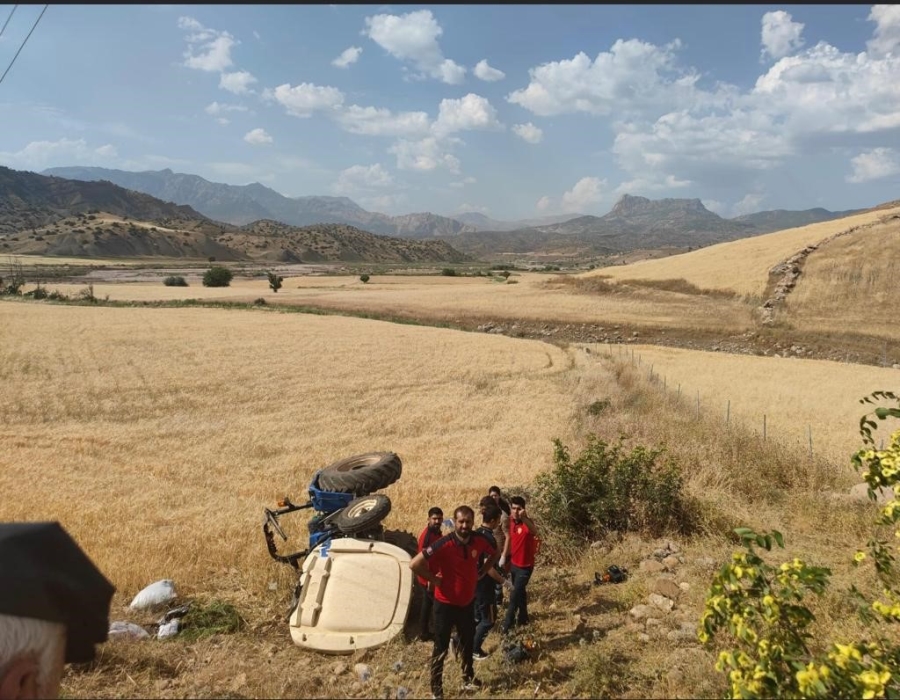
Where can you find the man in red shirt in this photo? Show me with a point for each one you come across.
(519, 551)
(430, 535)
(455, 558)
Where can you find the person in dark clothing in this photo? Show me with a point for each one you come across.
(430, 535)
(500, 534)
(455, 558)
(495, 493)
(521, 546)
(485, 596)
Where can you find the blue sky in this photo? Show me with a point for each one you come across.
(513, 111)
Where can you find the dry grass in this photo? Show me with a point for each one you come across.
(535, 297)
(741, 266)
(793, 394)
(835, 294)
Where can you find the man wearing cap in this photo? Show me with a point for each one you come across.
(54, 607)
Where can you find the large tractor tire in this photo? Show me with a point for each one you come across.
(361, 474)
(362, 514)
(407, 541)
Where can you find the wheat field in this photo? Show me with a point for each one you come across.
(741, 266)
(793, 396)
(157, 436)
(834, 296)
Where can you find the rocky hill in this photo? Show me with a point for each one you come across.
(243, 204)
(780, 219)
(42, 215)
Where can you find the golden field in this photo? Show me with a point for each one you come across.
(157, 435)
(741, 266)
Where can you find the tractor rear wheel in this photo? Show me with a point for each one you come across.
(361, 474)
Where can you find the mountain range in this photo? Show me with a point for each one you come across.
(244, 204)
(43, 215)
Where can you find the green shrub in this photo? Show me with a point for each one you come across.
(217, 276)
(597, 407)
(40, 292)
(448, 272)
(215, 617)
(274, 281)
(363, 278)
(260, 302)
(175, 281)
(608, 489)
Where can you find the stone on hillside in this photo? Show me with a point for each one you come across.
(644, 637)
(661, 602)
(639, 612)
(651, 566)
(685, 586)
(665, 587)
(860, 493)
(671, 561)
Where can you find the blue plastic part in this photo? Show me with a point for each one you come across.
(316, 538)
(327, 501)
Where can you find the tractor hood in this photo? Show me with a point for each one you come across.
(355, 594)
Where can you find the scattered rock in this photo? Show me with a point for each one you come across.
(671, 561)
(665, 587)
(339, 669)
(273, 586)
(661, 602)
(860, 493)
(653, 622)
(651, 566)
(644, 637)
(639, 612)
(681, 635)
(363, 672)
(685, 586)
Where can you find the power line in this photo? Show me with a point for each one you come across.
(23, 43)
(7, 19)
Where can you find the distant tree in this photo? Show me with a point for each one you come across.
(505, 274)
(448, 272)
(274, 281)
(217, 276)
(363, 278)
(211, 258)
(175, 281)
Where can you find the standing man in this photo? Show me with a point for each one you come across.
(519, 552)
(430, 535)
(455, 558)
(500, 530)
(485, 595)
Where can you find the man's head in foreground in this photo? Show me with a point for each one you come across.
(54, 607)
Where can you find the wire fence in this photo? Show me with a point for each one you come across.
(628, 355)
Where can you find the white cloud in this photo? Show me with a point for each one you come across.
(648, 184)
(874, 164)
(749, 204)
(348, 57)
(223, 121)
(714, 206)
(466, 207)
(633, 74)
(208, 49)
(471, 112)
(238, 82)
(258, 137)
(373, 121)
(887, 30)
(485, 72)
(216, 108)
(306, 98)
(780, 34)
(38, 155)
(528, 132)
(586, 192)
(424, 155)
(459, 184)
(413, 37)
(361, 178)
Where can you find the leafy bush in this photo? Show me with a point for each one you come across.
(175, 281)
(274, 281)
(607, 489)
(758, 609)
(448, 272)
(260, 301)
(363, 278)
(40, 292)
(597, 407)
(217, 276)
